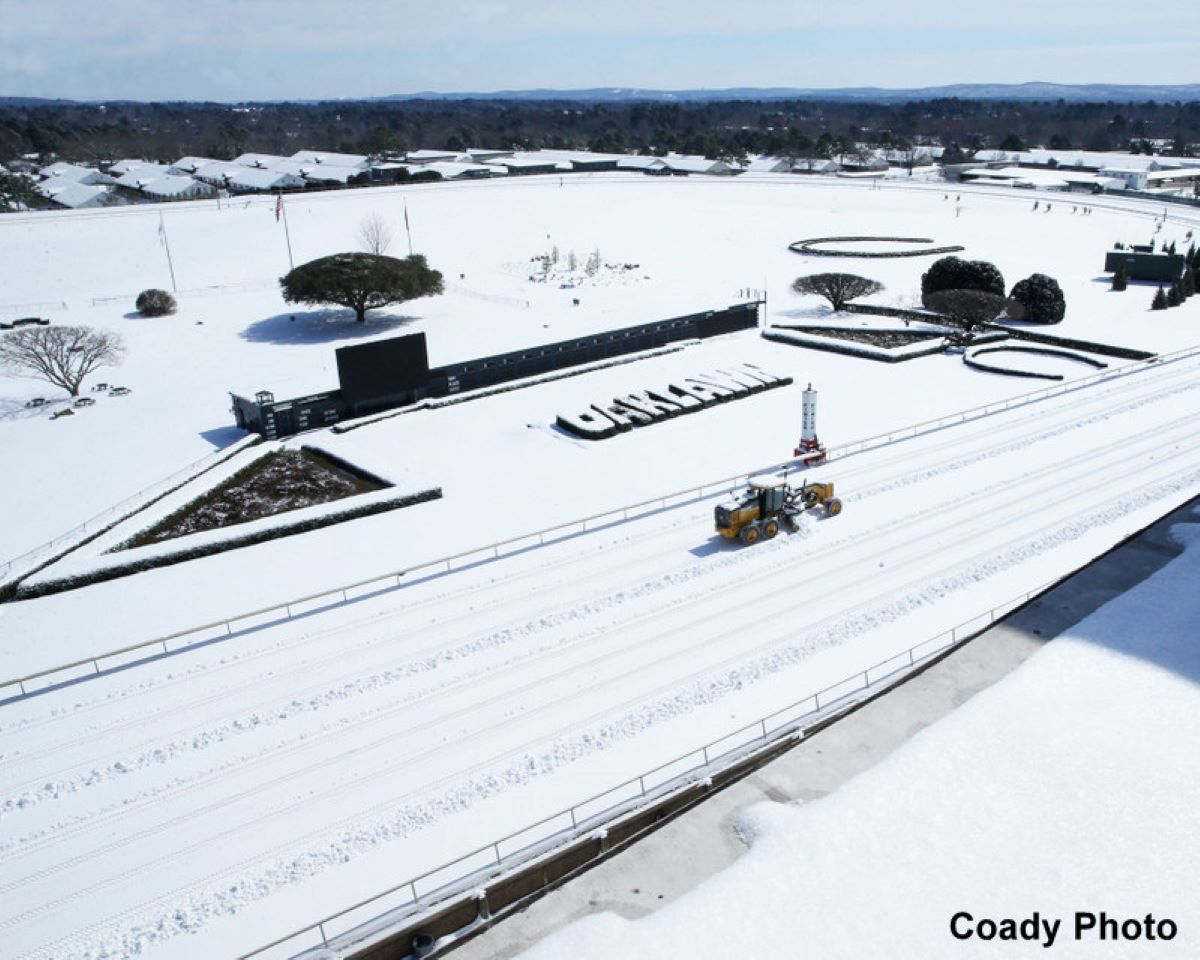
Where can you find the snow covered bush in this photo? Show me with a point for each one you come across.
(1039, 299)
(967, 308)
(951, 273)
(155, 303)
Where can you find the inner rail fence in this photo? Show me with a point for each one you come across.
(21, 566)
(390, 907)
(16, 687)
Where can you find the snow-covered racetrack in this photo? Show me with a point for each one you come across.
(306, 766)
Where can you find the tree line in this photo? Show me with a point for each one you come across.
(96, 133)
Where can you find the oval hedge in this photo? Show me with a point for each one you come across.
(807, 247)
(970, 359)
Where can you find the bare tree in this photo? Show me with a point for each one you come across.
(375, 235)
(838, 288)
(910, 155)
(61, 356)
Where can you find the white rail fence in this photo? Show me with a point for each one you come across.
(20, 566)
(455, 877)
(495, 298)
(207, 291)
(16, 309)
(312, 603)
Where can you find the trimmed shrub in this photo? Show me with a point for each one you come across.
(155, 303)
(951, 273)
(968, 308)
(1039, 299)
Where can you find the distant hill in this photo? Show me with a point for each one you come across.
(1093, 93)
(1077, 93)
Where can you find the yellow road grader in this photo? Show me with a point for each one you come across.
(769, 503)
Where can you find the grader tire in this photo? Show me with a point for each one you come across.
(770, 528)
(749, 534)
(833, 507)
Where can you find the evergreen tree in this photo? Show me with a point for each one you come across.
(361, 281)
(1160, 299)
(1038, 298)
(1120, 278)
(1174, 298)
(1187, 284)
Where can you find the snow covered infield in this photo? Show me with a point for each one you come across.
(206, 803)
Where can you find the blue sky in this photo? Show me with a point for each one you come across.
(279, 49)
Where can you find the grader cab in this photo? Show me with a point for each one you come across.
(769, 503)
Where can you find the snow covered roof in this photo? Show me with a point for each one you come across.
(249, 179)
(169, 187)
(451, 170)
(641, 163)
(69, 193)
(189, 164)
(122, 167)
(217, 171)
(140, 175)
(1181, 173)
(769, 165)
(432, 156)
(523, 162)
(694, 164)
(1086, 159)
(330, 173)
(1047, 179)
(76, 174)
(261, 161)
(354, 160)
(482, 155)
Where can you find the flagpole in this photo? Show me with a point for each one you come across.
(286, 232)
(407, 228)
(162, 235)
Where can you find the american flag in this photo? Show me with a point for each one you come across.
(278, 207)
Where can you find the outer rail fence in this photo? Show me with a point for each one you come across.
(495, 298)
(37, 307)
(374, 915)
(326, 599)
(19, 566)
(245, 286)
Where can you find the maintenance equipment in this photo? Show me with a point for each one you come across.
(769, 502)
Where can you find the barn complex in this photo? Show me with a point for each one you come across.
(133, 179)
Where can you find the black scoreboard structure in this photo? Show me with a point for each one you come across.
(385, 374)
